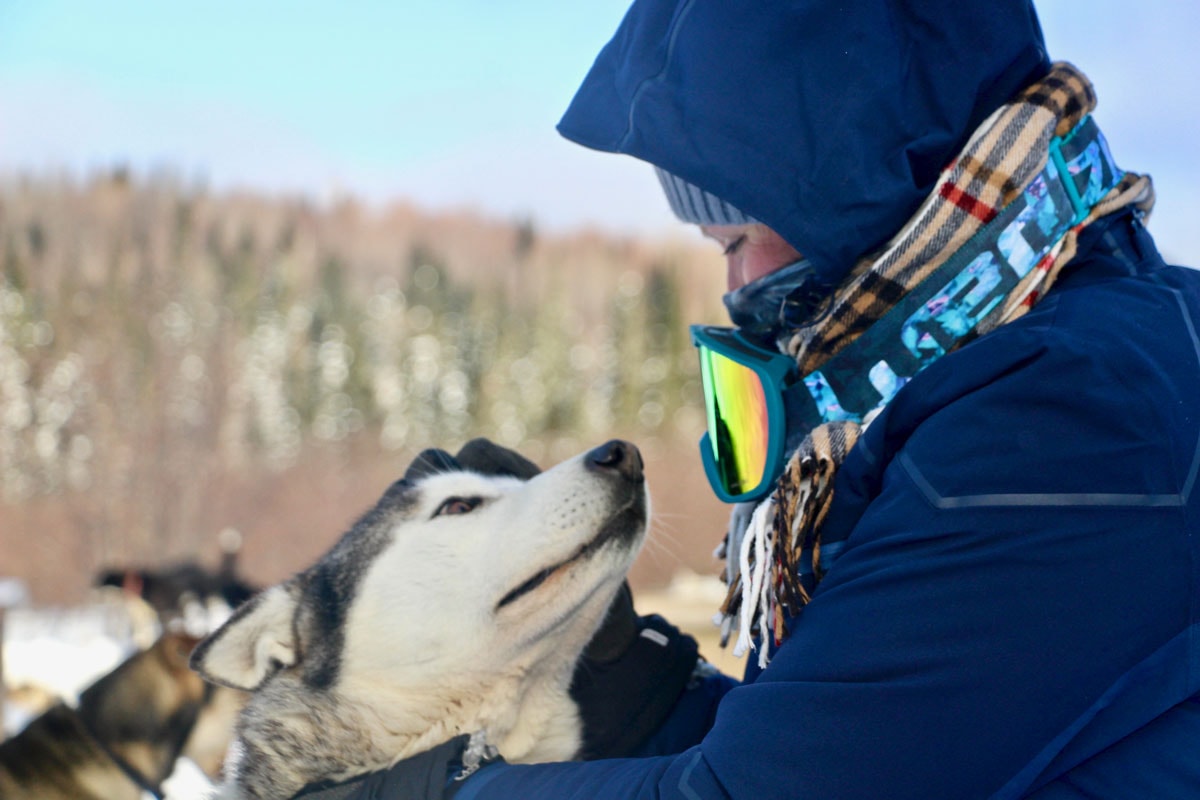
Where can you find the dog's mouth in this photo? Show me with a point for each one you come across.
(622, 525)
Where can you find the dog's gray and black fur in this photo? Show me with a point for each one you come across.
(459, 604)
(123, 738)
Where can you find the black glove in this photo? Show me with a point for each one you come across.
(629, 678)
(425, 776)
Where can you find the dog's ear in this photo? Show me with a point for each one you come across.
(484, 455)
(253, 644)
(431, 462)
(175, 648)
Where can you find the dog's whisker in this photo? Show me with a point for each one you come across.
(656, 548)
(659, 533)
(669, 515)
(669, 521)
(664, 538)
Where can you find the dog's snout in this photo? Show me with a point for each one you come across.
(620, 457)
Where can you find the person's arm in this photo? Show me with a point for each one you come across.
(1017, 561)
(1006, 577)
(638, 695)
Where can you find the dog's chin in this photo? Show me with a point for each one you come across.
(623, 531)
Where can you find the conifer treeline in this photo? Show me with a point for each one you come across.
(155, 339)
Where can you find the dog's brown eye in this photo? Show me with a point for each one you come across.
(458, 505)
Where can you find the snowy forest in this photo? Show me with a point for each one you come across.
(175, 363)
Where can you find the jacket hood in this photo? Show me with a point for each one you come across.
(828, 122)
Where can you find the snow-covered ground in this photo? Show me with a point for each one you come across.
(61, 651)
(56, 653)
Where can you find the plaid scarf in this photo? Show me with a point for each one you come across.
(774, 552)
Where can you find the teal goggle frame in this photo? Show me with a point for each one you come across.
(743, 449)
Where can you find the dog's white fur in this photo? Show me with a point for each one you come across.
(428, 650)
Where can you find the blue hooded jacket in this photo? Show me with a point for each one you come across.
(1016, 612)
(828, 122)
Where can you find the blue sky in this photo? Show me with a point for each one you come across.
(453, 102)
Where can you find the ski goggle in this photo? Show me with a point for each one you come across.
(743, 450)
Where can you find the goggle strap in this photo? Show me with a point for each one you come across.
(945, 309)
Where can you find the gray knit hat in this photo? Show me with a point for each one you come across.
(692, 204)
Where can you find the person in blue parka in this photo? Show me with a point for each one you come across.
(957, 417)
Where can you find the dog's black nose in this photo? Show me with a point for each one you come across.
(618, 456)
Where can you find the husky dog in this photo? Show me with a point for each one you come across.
(122, 739)
(459, 604)
(172, 591)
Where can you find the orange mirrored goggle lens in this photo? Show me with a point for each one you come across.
(737, 421)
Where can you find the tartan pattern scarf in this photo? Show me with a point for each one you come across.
(774, 552)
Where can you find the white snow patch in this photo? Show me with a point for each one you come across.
(63, 651)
